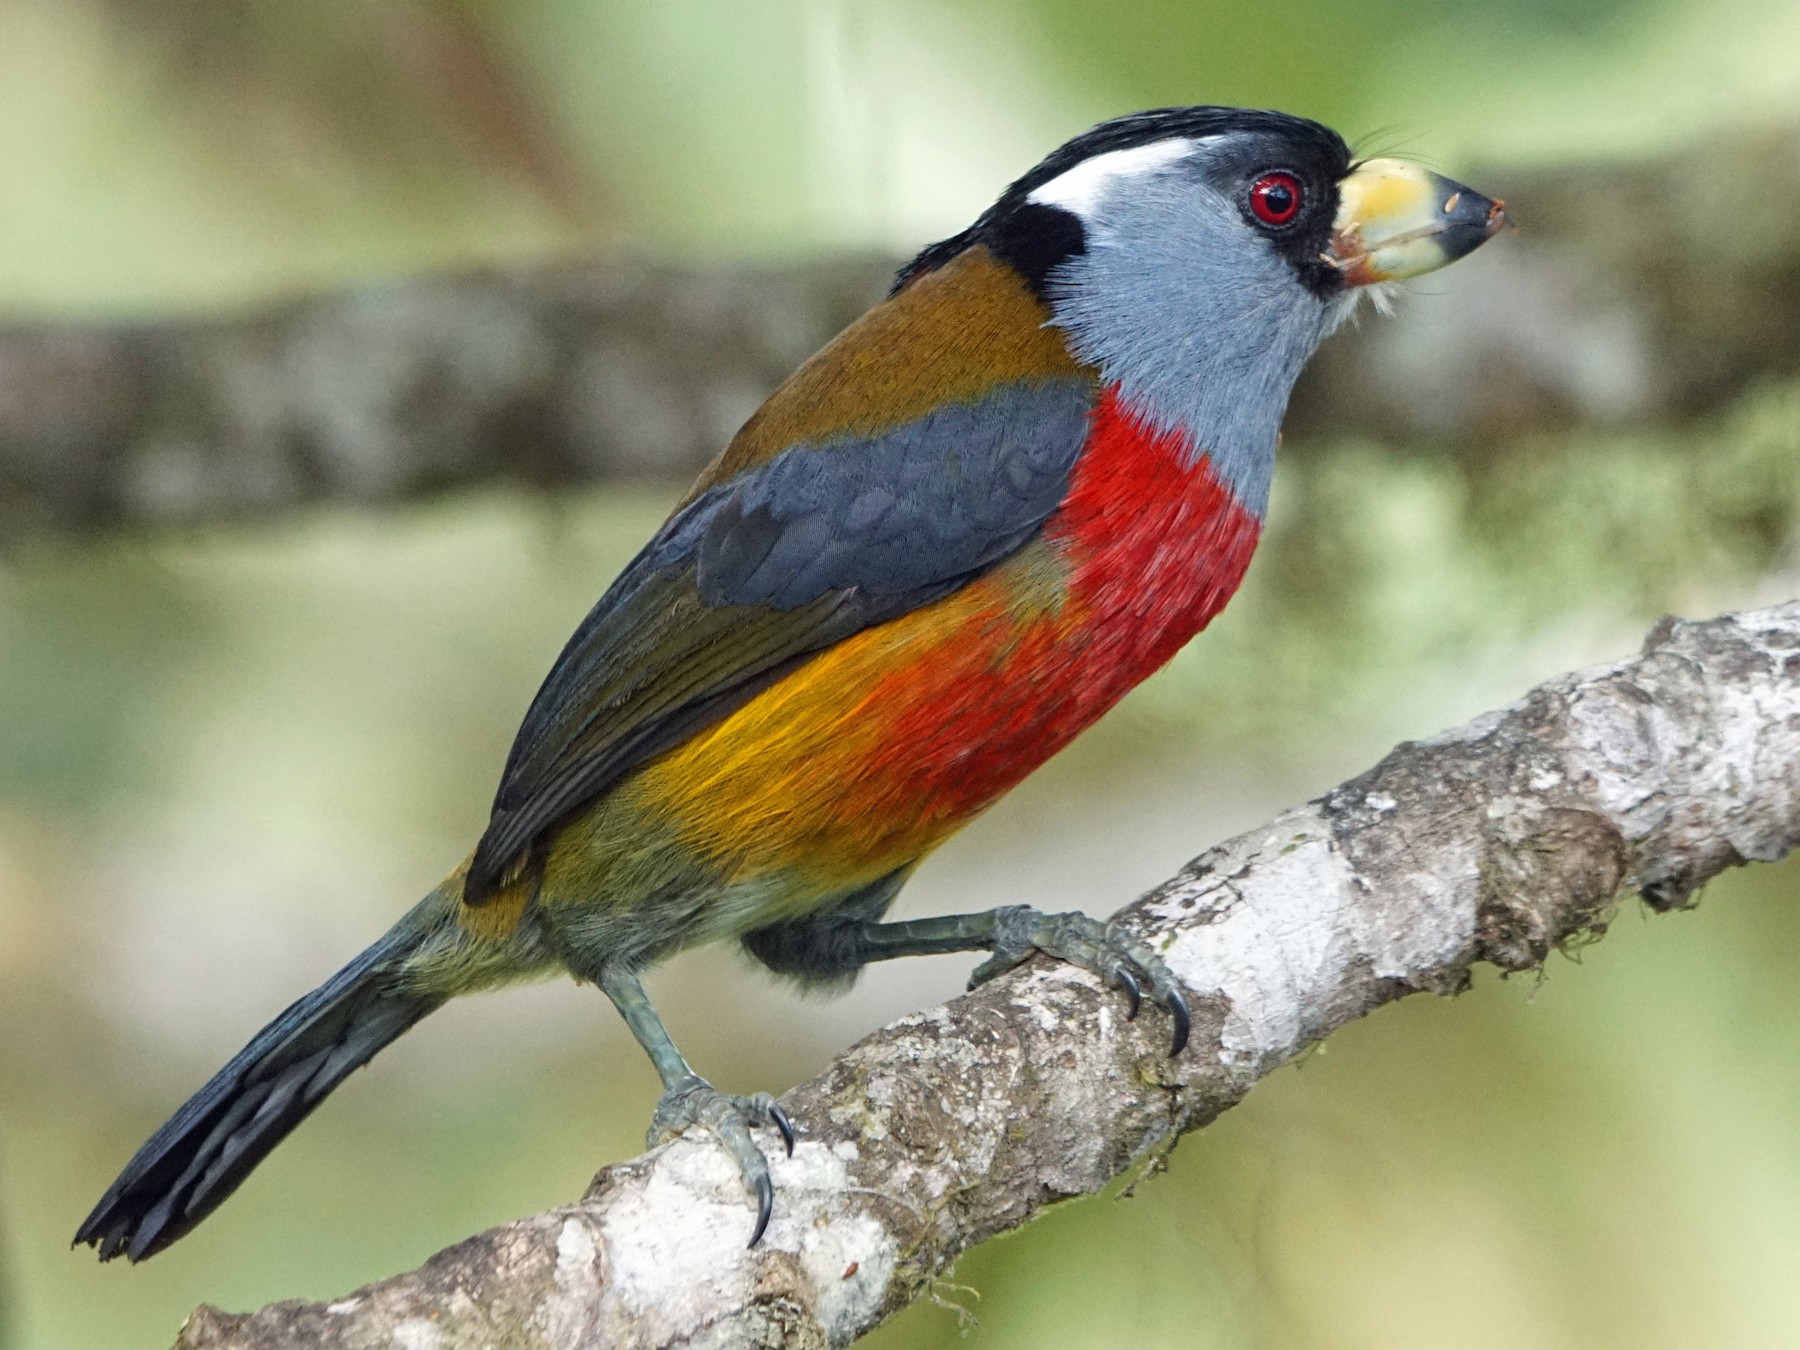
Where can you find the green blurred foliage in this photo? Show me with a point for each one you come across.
(187, 153)
(228, 759)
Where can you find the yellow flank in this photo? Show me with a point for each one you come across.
(819, 776)
(498, 916)
(758, 791)
(947, 338)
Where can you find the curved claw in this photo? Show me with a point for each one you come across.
(1128, 985)
(786, 1127)
(765, 1207)
(691, 1100)
(1184, 1022)
(1120, 959)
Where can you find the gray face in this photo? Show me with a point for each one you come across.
(1201, 318)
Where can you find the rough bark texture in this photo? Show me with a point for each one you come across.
(1632, 292)
(1493, 842)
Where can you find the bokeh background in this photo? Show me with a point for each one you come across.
(230, 754)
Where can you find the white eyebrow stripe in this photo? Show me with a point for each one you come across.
(1079, 189)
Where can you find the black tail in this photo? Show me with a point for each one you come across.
(211, 1144)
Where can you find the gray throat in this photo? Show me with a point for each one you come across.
(1203, 326)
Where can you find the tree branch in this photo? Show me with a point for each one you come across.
(1493, 842)
(570, 375)
(550, 376)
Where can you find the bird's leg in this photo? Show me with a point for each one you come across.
(1015, 933)
(688, 1099)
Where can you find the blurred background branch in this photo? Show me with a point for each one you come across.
(552, 379)
(1653, 291)
(1498, 841)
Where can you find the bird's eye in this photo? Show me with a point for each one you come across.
(1275, 198)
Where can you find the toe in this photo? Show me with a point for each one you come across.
(1123, 961)
(786, 1126)
(1184, 1022)
(765, 1207)
(728, 1118)
(1147, 967)
(1129, 986)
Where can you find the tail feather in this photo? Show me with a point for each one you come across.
(226, 1128)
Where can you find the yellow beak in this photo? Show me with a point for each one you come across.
(1398, 220)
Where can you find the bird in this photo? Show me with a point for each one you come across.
(945, 545)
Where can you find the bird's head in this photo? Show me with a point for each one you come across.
(1197, 256)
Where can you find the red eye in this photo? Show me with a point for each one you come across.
(1275, 198)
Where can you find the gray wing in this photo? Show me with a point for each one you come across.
(760, 572)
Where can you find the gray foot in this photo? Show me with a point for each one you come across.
(1020, 932)
(694, 1101)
